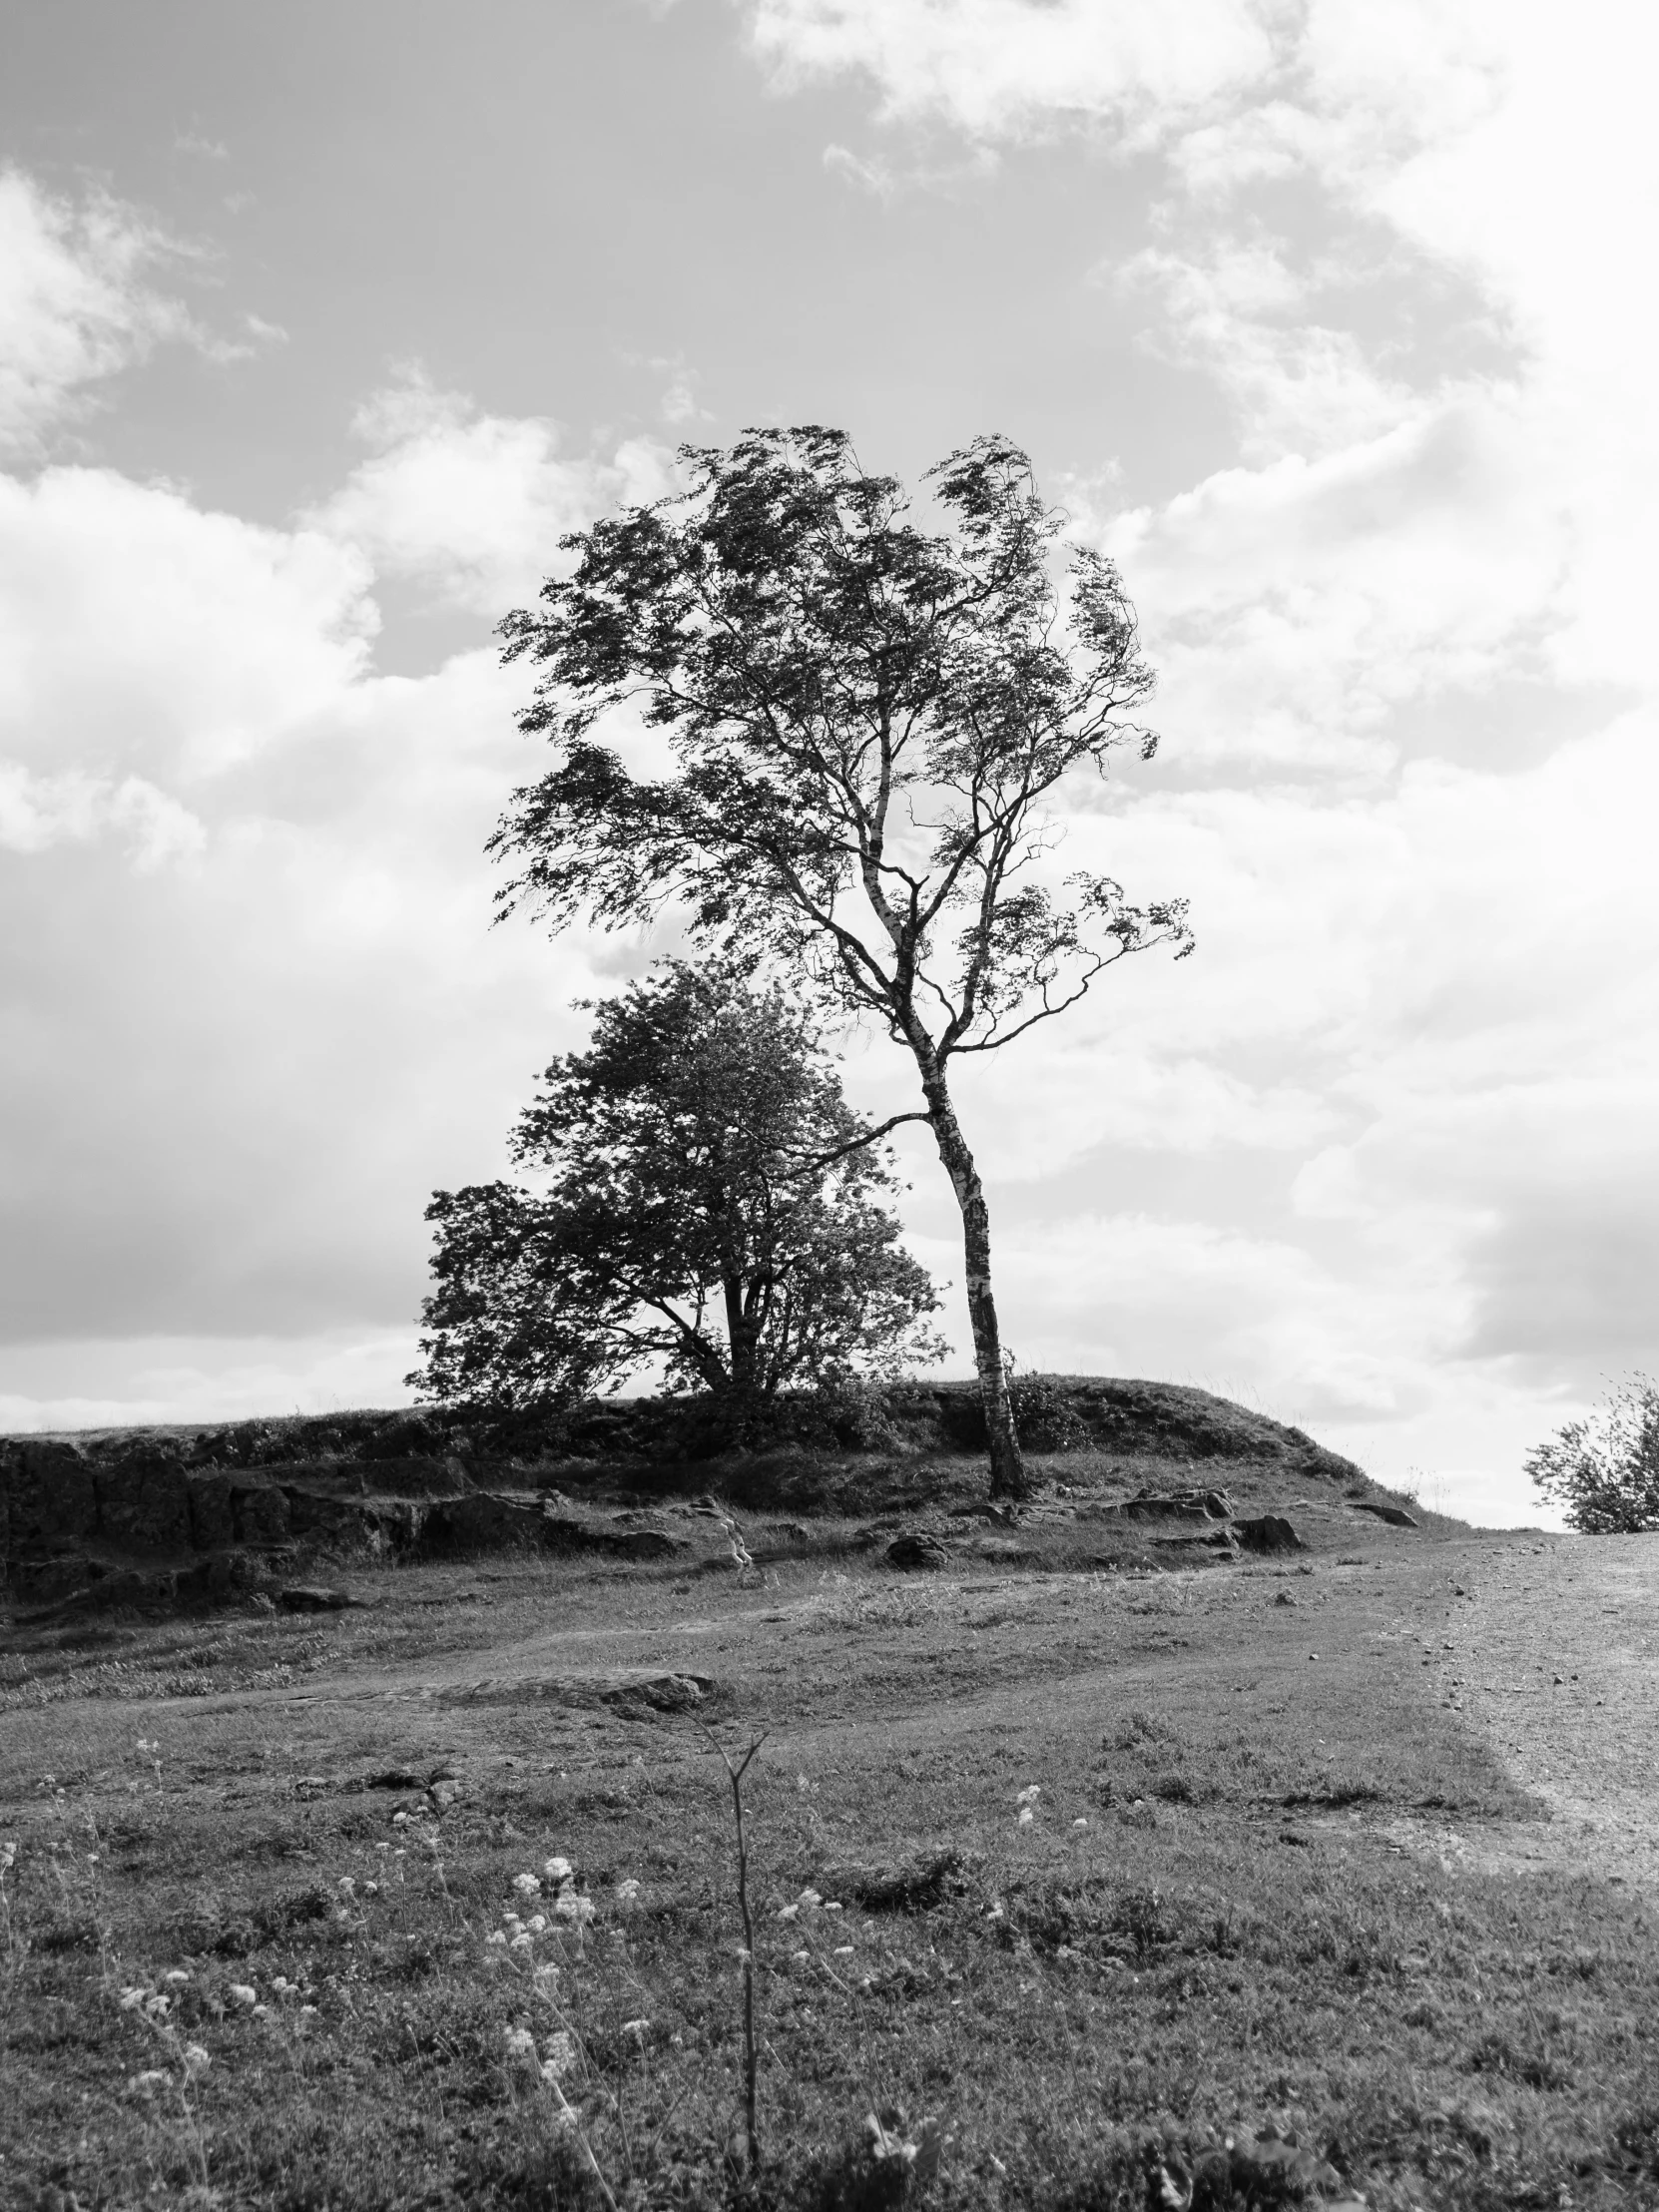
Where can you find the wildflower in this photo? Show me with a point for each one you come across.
(831, 1908)
(572, 1907)
(132, 1997)
(558, 1870)
(523, 1941)
(401, 1819)
(1079, 1824)
(176, 1976)
(559, 2055)
(627, 1892)
(527, 1884)
(497, 1938)
(809, 1899)
(260, 2012)
(799, 1956)
(157, 2006)
(307, 2012)
(1025, 1815)
(152, 2078)
(537, 1924)
(196, 2058)
(8, 1858)
(842, 1951)
(346, 1887)
(789, 1912)
(545, 1982)
(521, 2047)
(372, 1889)
(638, 2028)
(242, 1994)
(1029, 1794)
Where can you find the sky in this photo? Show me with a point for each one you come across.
(1333, 325)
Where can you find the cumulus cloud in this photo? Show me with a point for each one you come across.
(473, 505)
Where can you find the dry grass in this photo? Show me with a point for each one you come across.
(1237, 1935)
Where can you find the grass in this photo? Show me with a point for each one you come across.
(1220, 1916)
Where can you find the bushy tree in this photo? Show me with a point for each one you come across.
(1604, 1473)
(871, 723)
(703, 1196)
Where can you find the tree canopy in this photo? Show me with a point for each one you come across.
(870, 722)
(701, 1199)
(1604, 1473)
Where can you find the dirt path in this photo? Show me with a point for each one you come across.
(1552, 1652)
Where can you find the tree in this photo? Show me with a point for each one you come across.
(1604, 1471)
(705, 1198)
(869, 722)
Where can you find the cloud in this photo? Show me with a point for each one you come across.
(1009, 67)
(471, 505)
(76, 303)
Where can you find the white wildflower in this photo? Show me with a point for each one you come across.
(8, 1858)
(537, 1924)
(572, 1907)
(523, 1941)
(260, 2013)
(809, 1899)
(559, 2056)
(496, 1937)
(175, 1978)
(627, 1892)
(307, 2012)
(157, 2006)
(521, 2047)
(132, 1997)
(527, 1885)
(372, 1889)
(152, 2078)
(545, 1982)
(842, 1951)
(789, 1912)
(346, 1887)
(1029, 1794)
(638, 2028)
(401, 1819)
(196, 2058)
(240, 1992)
(831, 1908)
(558, 1870)
(1079, 1824)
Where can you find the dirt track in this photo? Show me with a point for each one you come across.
(1554, 1657)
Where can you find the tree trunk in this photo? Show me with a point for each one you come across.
(1008, 1477)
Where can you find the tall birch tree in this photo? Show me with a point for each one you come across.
(873, 719)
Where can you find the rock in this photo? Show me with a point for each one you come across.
(50, 1500)
(144, 1506)
(480, 1521)
(1182, 1505)
(662, 1693)
(1395, 1516)
(211, 1519)
(393, 1778)
(313, 1597)
(1267, 1532)
(916, 1549)
(443, 1793)
(259, 1514)
(566, 1532)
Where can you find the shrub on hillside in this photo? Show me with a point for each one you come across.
(1604, 1473)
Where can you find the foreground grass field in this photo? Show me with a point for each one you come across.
(1098, 1870)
